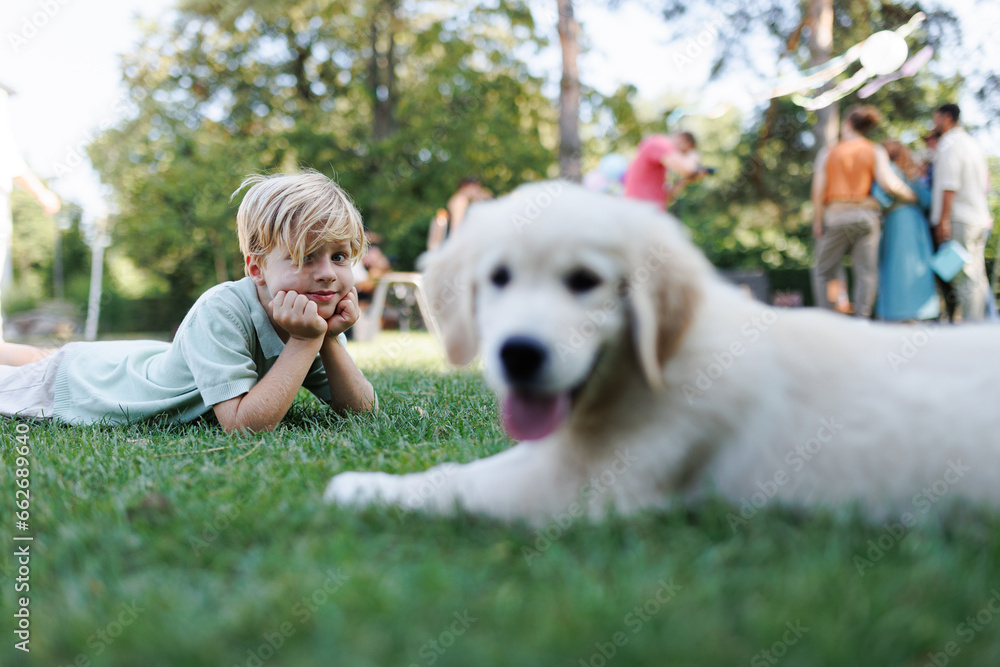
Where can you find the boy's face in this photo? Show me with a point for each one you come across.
(325, 276)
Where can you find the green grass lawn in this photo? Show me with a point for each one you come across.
(181, 545)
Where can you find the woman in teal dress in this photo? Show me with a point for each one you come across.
(906, 288)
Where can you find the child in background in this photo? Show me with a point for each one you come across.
(244, 348)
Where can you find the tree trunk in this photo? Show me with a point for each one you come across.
(390, 69)
(820, 50)
(569, 94)
(58, 283)
(96, 279)
(382, 69)
(219, 257)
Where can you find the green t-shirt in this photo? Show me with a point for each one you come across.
(225, 344)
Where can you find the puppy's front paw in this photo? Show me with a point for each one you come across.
(359, 489)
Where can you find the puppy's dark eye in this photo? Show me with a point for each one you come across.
(582, 280)
(500, 276)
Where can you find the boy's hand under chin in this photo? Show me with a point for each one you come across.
(297, 315)
(345, 315)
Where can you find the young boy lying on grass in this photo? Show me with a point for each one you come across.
(244, 348)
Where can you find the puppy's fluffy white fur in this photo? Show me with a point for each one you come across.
(684, 386)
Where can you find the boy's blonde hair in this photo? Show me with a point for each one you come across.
(296, 212)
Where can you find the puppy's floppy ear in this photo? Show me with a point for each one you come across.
(448, 277)
(662, 292)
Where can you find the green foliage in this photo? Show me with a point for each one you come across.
(33, 255)
(32, 243)
(397, 102)
(182, 545)
(617, 123)
(34, 233)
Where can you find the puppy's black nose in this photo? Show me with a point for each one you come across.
(522, 358)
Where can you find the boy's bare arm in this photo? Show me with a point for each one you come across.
(265, 405)
(349, 389)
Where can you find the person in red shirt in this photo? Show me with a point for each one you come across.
(660, 155)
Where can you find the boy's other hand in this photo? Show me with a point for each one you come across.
(346, 314)
(297, 315)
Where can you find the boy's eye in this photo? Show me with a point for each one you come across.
(339, 256)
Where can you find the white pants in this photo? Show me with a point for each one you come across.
(971, 285)
(30, 391)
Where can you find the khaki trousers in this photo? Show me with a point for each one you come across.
(854, 231)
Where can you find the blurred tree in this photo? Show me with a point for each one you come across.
(819, 20)
(395, 100)
(570, 150)
(993, 247)
(34, 243)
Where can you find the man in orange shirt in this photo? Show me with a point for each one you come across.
(846, 219)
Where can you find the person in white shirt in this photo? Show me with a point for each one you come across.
(14, 171)
(959, 208)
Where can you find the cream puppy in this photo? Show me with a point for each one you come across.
(635, 376)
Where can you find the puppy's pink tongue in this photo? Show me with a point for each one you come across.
(534, 417)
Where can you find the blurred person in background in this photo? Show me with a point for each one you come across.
(906, 288)
(925, 158)
(438, 230)
(447, 220)
(663, 166)
(470, 191)
(960, 210)
(846, 218)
